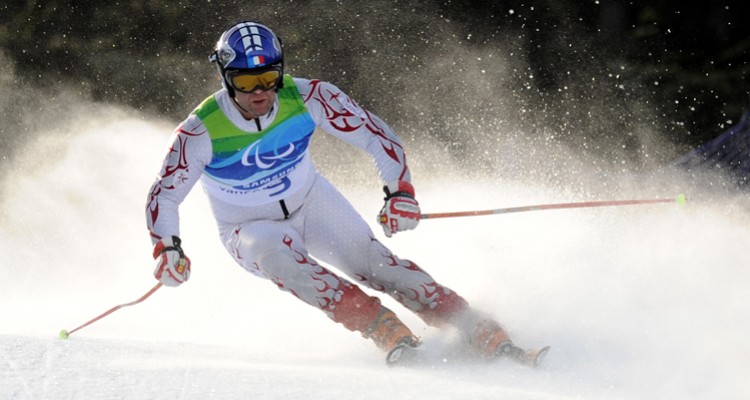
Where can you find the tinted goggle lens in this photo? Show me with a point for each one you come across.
(247, 82)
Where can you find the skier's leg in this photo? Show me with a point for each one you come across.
(275, 250)
(436, 304)
(336, 234)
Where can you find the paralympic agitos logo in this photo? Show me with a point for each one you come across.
(267, 160)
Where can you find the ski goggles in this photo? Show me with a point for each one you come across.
(248, 81)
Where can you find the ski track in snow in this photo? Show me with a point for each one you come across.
(637, 302)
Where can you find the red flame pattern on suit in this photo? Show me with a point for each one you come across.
(326, 283)
(173, 174)
(177, 162)
(352, 117)
(153, 209)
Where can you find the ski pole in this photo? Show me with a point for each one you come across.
(64, 334)
(679, 200)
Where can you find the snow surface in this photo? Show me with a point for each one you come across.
(642, 302)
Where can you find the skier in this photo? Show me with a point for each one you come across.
(279, 218)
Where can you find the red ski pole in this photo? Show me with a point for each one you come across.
(679, 200)
(64, 334)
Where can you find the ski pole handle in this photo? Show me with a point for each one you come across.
(679, 200)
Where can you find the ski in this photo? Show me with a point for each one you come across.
(532, 358)
(404, 355)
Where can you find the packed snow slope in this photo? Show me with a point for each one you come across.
(638, 302)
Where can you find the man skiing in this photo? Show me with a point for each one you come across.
(248, 145)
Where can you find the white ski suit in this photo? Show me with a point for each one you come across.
(279, 218)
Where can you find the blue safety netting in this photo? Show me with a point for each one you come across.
(729, 153)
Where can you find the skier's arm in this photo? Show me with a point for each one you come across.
(188, 155)
(186, 158)
(340, 116)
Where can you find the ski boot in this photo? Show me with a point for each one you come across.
(405, 353)
(393, 337)
(532, 358)
(493, 342)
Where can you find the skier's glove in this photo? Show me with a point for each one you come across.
(401, 211)
(172, 267)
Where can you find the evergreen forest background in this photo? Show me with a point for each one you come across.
(592, 74)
